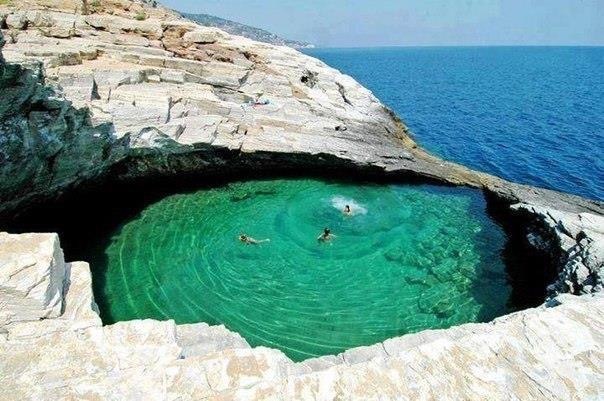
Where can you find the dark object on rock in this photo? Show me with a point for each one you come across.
(309, 78)
(1, 57)
(342, 91)
(341, 128)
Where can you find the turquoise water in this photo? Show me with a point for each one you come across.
(533, 115)
(409, 258)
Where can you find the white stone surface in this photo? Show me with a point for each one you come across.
(553, 353)
(200, 339)
(168, 86)
(32, 273)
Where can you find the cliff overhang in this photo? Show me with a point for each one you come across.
(120, 91)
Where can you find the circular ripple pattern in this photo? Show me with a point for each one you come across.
(409, 258)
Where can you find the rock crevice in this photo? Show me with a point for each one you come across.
(127, 90)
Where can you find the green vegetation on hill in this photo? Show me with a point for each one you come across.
(250, 32)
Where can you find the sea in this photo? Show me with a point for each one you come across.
(533, 115)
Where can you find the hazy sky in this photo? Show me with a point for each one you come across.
(340, 23)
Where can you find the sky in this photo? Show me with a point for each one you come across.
(366, 23)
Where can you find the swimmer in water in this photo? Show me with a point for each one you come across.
(246, 239)
(347, 210)
(326, 235)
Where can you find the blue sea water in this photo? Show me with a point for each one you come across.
(533, 115)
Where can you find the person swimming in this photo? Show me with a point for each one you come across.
(347, 210)
(246, 239)
(326, 235)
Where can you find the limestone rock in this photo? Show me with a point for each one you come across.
(539, 354)
(79, 308)
(200, 339)
(46, 143)
(579, 240)
(88, 88)
(32, 273)
(78, 297)
(16, 21)
(203, 36)
(117, 25)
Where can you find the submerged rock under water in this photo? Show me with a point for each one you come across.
(409, 258)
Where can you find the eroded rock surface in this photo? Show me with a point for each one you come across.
(31, 277)
(156, 93)
(127, 89)
(539, 354)
(576, 241)
(163, 87)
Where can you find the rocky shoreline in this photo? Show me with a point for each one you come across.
(94, 95)
(54, 346)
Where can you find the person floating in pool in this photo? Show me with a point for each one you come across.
(347, 210)
(246, 239)
(326, 236)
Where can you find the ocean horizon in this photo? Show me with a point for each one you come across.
(303, 50)
(529, 114)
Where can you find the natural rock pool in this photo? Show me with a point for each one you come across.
(409, 258)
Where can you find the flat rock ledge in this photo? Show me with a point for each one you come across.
(546, 353)
(130, 89)
(127, 89)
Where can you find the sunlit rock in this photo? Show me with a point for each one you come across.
(32, 273)
(90, 85)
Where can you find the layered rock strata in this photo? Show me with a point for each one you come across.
(127, 89)
(539, 354)
(122, 90)
(165, 87)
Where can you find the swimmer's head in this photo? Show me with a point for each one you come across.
(347, 208)
(243, 237)
(326, 231)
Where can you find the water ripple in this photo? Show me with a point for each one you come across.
(412, 257)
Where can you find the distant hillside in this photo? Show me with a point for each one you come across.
(247, 31)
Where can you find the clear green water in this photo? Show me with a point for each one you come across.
(410, 258)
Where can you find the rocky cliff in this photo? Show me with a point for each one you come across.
(96, 91)
(168, 95)
(126, 90)
(160, 93)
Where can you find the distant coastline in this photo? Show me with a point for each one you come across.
(250, 32)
